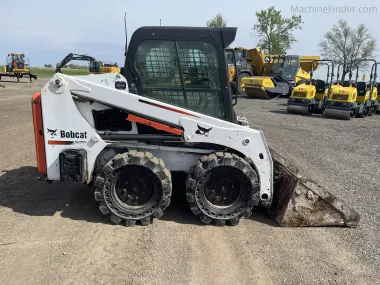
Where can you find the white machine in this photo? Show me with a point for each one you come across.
(97, 130)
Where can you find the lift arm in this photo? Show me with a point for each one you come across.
(190, 126)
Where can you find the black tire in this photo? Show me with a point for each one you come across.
(145, 172)
(365, 111)
(370, 110)
(213, 169)
(377, 110)
(241, 75)
(362, 114)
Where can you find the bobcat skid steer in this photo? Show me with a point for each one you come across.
(171, 110)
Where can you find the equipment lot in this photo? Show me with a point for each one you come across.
(53, 234)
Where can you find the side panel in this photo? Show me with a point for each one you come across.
(65, 128)
(39, 132)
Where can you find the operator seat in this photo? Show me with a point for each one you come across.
(302, 81)
(320, 86)
(361, 87)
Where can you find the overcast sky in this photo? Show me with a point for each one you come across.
(47, 30)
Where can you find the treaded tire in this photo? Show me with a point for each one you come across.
(153, 171)
(201, 175)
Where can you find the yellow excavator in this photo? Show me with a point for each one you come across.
(98, 67)
(310, 97)
(353, 98)
(95, 66)
(284, 73)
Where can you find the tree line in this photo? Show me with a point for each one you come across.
(343, 44)
(71, 66)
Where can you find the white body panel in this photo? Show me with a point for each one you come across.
(61, 113)
(176, 158)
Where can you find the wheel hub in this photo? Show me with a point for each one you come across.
(223, 187)
(135, 187)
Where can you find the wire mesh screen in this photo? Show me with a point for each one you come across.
(185, 74)
(157, 63)
(204, 102)
(199, 65)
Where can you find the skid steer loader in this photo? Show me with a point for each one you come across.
(310, 97)
(171, 109)
(353, 98)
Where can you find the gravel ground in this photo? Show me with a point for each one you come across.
(341, 155)
(54, 234)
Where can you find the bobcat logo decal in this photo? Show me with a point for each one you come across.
(202, 131)
(52, 132)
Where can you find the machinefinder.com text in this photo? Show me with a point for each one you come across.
(332, 9)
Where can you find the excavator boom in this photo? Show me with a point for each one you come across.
(73, 56)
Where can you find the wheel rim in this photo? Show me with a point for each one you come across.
(225, 188)
(135, 188)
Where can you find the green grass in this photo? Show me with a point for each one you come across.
(46, 72)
